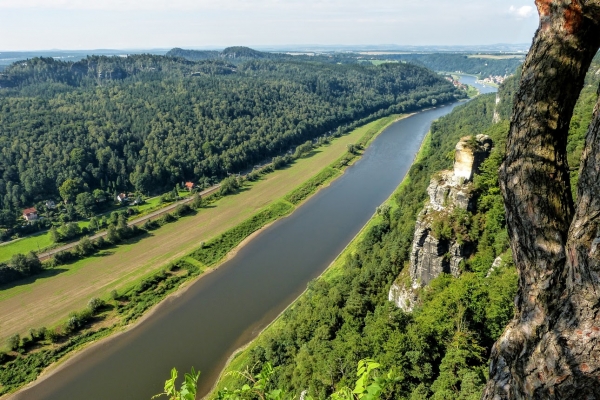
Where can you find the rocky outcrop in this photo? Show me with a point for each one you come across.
(496, 118)
(448, 190)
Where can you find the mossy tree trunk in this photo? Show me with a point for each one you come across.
(551, 349)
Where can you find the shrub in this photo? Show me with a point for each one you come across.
(37, 334)
(85, 247)
(303, 149)
(229, 185)
(198, 202)
(167, 218)
(14, 342)
(95, 304)
(100, 243)
(112, 236)
(73, 323)
(280, 162)
(182, 209)
(53, 335)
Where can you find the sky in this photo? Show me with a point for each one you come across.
(145, 24)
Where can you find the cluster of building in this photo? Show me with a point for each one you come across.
(457, 84)
(31, 213)
(496, 80)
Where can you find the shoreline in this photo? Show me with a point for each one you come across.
(117, 331)
(329, 268)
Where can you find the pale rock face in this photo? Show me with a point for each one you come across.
(496, 117)
(449, 189)
(402, 297)
(496, 264)
(469, 156)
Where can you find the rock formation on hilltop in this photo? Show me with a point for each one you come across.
(433, 251)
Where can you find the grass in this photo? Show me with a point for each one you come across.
(48, 298)
(34, 242)
(472, 91)
(149, 205)
(41, 241)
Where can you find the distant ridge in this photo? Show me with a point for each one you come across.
(234, 52)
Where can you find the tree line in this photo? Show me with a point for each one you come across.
(146, 122)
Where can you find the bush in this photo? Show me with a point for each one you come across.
(114, 294)
(198, 202)
(280, 162)
(167, 218)
(229, 185)
(73, 323)
(303, 149)
(63, 257)
(182, 209)
(112, 236)
(85, 247)
(95, 304)
(150, 225)
(14, 342)
(53, 336)
(100, 243)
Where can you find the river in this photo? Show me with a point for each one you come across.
(229, 306)
(472, 80)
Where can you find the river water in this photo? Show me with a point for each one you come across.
(230, 306)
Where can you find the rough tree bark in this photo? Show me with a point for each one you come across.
(551, 349)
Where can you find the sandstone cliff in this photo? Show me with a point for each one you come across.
(435, 250)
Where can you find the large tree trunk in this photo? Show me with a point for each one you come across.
(551, 349)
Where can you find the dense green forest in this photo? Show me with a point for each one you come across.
(466, 63)
(439, 351)
(235, 53)
(147, 122)
(469, 63)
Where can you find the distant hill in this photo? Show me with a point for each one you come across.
(193, 55)
(240, 53)
(245, 52)
(470, 63)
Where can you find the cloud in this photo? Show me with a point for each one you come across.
(521, 12)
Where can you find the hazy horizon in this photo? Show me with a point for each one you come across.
(44, 25)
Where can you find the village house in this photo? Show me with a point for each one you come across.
(30, 214)
(189, 186)
(121, 197)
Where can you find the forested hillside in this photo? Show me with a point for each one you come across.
(466, 63)
(440, 350)
(148, 122)
(236, 53)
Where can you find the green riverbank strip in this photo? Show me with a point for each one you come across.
(240, 359)
(147, 292)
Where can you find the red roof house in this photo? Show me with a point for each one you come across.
(189, 185)
(30, 214)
